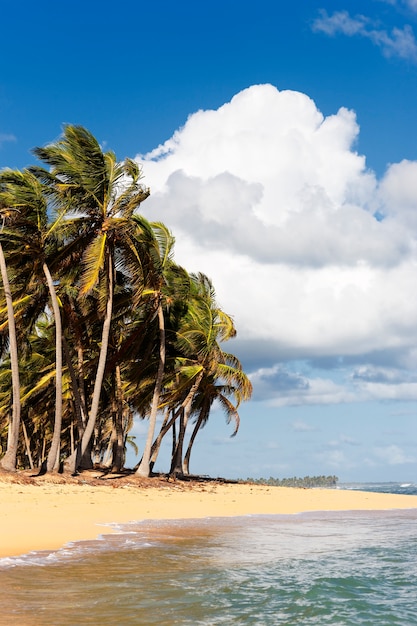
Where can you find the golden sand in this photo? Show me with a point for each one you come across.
(45, 515)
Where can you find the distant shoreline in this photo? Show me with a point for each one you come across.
(45, 513)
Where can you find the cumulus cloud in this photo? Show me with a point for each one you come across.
(279, 178)
(398, 193)
(398, 42)
(313, 256)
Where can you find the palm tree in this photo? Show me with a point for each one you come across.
(220, 374)
(8, 461)
(227, 379)
(38, 387)
(33, 237)
(199, 357)
(172, 282)
(98, 196)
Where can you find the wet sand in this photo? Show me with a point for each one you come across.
(45, 515)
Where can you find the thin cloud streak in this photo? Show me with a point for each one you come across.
(399, 42)
(6, 137)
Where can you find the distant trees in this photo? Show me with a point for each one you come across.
(98, 325)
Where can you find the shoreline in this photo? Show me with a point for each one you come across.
(46, 513)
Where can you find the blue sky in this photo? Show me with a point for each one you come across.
(280, 144)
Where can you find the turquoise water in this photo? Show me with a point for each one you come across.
(407, 489)
(310, 569)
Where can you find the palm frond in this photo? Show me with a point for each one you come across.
(93, 264)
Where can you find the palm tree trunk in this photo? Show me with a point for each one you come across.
(8, 462)
(144, 468)
(186, 463)
(52, 463)
(167, 424)
(74, 459)
(27, 444)
(176, 463)
(157, 443)
(72, 436)
(174, 436)
(78, 406)
(118, 448)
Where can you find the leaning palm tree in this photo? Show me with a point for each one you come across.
(172, 285)
(38, 386)
(98, 196)
(8, 462)
(196, 353)
(205, 325)
(33, 239)
(226, 379)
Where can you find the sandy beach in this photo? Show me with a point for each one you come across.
(44, 514)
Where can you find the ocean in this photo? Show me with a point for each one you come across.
(338, 568)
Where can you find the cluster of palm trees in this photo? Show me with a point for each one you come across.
(98, 324)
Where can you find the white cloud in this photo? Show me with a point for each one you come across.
(381, 391)
(270, 199)
(279, 386)
(6, 137)
(399, 42)
(393, 455)
(398, 192)
(335, 459)
(340, 22)
(318, 391)
(372, 374)
(412, 4)
(384, 383)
